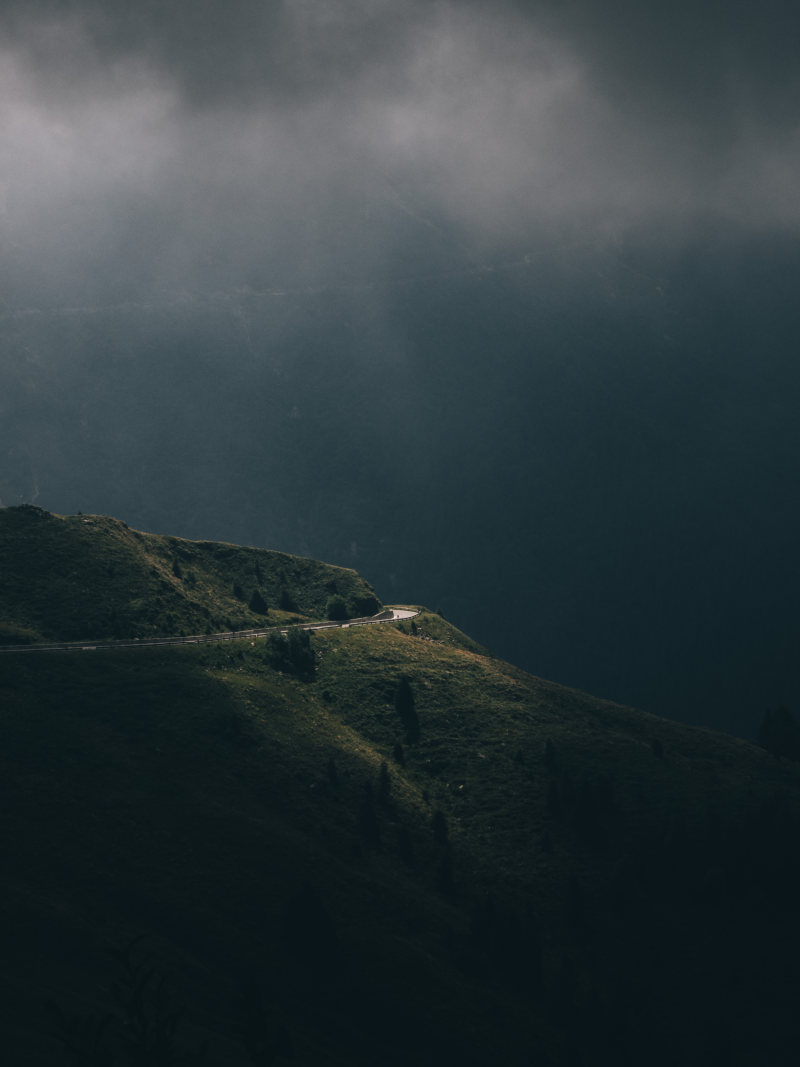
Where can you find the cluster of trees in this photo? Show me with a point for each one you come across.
(292, 652)
(377, 799)
(256, 603)
(336, 608)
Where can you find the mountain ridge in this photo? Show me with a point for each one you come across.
(150, 585)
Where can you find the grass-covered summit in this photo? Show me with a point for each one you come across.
(74, 577)
(406, 851)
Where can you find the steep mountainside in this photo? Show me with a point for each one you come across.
(393, 849)
(87, 576)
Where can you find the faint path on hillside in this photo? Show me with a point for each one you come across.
(387, 615)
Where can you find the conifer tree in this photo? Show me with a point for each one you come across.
(301, 654)
(444, 877)
(368, 826)
(384, 784)
(439, 826)
(286, 601)
(258, 604)
(336, 607)
(405, 708)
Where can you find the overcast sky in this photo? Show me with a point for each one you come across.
(209, 140)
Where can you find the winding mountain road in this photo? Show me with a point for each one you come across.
(387, 615)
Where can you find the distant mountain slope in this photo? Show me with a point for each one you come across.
(397, 850)
(88, 576)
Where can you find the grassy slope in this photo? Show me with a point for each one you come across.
(88, 576)
(611, 902)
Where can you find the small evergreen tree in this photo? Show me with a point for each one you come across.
(286, 600)
(384, 785)
(368, 826)
(366, 605)
(444, 877)
(301, 654)
(336, 608)
(238, 592)
(405, 708)
(439, 826)
(258, 604)
(278, 652)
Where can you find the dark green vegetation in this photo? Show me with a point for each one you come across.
(385, 848)
(87, 576)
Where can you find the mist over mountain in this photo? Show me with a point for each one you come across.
(495, 303)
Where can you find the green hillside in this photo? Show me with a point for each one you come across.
(88, 576)
(403, 852)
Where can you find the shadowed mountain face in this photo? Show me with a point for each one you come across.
(399, 849)
(496, 302)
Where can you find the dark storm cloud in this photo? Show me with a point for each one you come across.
(218, 50)
(256, 141)
(701, 52)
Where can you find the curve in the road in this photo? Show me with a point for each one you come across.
(387, 615)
